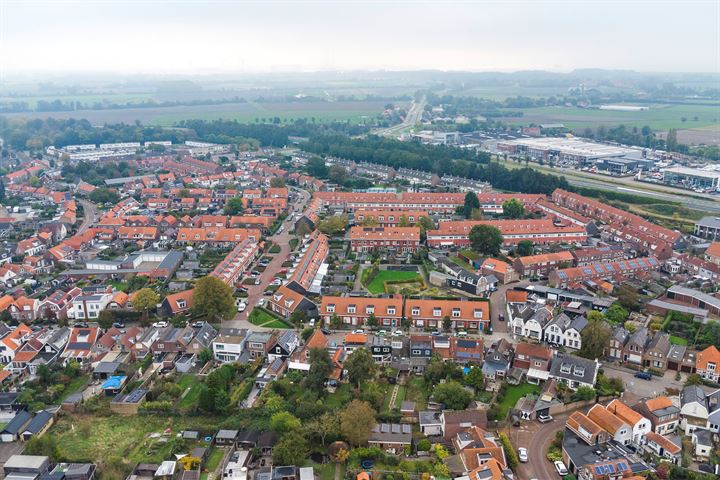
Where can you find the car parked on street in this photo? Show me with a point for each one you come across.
(560, 468)
(523, 454)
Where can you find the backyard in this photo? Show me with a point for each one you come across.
(513, 394)
(399, 280)
(264, 318)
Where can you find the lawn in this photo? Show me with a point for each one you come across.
(75, 384)
(417, 391)
(190, 399)
(377, 285)
(214, 459)
(342, 395)
(461, 263)
(678, 340)
(515, 393)
(264, 318)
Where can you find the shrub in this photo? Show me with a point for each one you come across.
(423, 445)
(510, 452)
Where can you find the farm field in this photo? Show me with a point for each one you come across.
(377, 286)
(354, 112)
(658, 117)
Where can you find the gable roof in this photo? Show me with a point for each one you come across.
(624, 412)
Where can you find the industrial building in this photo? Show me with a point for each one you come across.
(694, 178)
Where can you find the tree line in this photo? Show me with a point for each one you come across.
(437, 159)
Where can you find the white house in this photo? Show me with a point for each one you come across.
(693, 409)
(89, 306)
(229, 344)
(614, 425)
(528, 321)
(639, 424)
(565, 331)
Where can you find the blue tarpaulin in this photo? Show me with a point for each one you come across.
(114, 382)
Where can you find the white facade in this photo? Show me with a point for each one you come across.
(89, 306)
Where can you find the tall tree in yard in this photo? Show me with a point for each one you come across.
(145, 300)
(513, 208)
(595, 337)
(356, 422)
(471, 203)
(360, 366)
(213, 298)
(486, 239)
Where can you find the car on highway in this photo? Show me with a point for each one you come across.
(644, 375)
(560, 468)
(523, 454)
(160, 324)
(261, 302)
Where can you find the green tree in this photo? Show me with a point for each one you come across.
(145, 300)
(357, 420)
(475, 378)
(106, 319)
(34, 182)
(510, 453)
(104, 195)
(206, 355)
(320, 369)
(693, 379)
(525, 248)
(452, 395)
(616, 314)
(447, 323)
(372, 321)
(213, 298)
(326, 425)
(282, 422)
(486, 239)
(277, 182)
(206, 399)
(584, 393)
(360, 366)
(291, 449)
(317, 168)
(513, 208)
(234, 206)
(595, 338)
(333, 225)
(338, 174)
(471, 203)
(47, 445)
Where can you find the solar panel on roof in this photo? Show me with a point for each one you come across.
(599, 470)
(562, 275)
(610, 468)
(609, 267)
(622, 467)
(587, 271)
(622, 266)
(633, 263)
(652, 261)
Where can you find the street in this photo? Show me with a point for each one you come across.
(282, 239)
(497, 305)
(413, 117)
(91, 215)
(536, 437)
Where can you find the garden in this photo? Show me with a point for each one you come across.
(265, 318)
(394, 281)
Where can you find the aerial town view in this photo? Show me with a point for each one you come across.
(359, 240)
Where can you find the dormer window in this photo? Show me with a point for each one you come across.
(331, 308)
(565, 368)
(391, 311)
(351, 308)
(370, 309)
(578, 371)
(437, 312)
(456, 313)
(415, 311)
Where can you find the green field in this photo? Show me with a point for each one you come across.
(675, 340)
(263, 318)
(658, 117)
(377, 285)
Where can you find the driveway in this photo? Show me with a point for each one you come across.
(536, 437)
(497, 305)
(255, 292)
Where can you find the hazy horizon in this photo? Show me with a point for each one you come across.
(191, 38)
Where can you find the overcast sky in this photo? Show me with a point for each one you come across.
(205, 36)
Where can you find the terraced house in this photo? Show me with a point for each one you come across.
(356, 310)
(470, 315)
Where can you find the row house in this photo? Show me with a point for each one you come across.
(623, 269)
(534, 360)
(25, 309)
(216, 236)
(41, 348)
(541, 265)
(565, 331)
(313, 254)
(648, 237)
(708, 364)
(389, 218)
(468, 315)
(393, 239)
(138, 234)
(232, 267)
(663, 414)
(540, 232)
(618, 429)
(528, 320)
(602, 254)
(434, 202)
(563, 214)
(640, 425)
(356, 310)
(251, 221)
(641, 348)
(498, 360)
(32, 246)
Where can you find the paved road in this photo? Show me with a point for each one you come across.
(413, 117)
(255, 292)
(91, 215)
(537, 437)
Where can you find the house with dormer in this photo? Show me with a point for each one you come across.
(574, 371)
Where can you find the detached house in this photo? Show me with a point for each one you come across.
(11, 343)
(177, 303)
(640, 425)
(664, 416)
(693, 409)
(80, 344)
(284, 345)
(574, 371)
(621, 432)
(497, 360)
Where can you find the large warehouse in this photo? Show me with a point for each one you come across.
(572, 150)
(692, 178)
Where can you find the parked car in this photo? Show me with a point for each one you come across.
(241, 306)
(276, 282)
(397, 333)
(198, 324)
(381, 333)
(523, 454)
(261, 302)
(360, 331)
(325, 331)
(435, 333)
(644, 375)
(162, 324)
(461, 334)
(119, 325)
(560, 468)
(257, 281)
(267, 293)
(81, 325)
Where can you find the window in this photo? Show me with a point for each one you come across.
(538, 363)
(578, 371)
(181, 303)
(351, 309)
(370, 309)
(437, 312)
(391, 311)
(456, 312)
(415, 311)
(565, 368)
(478, 313)
(331, 307)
